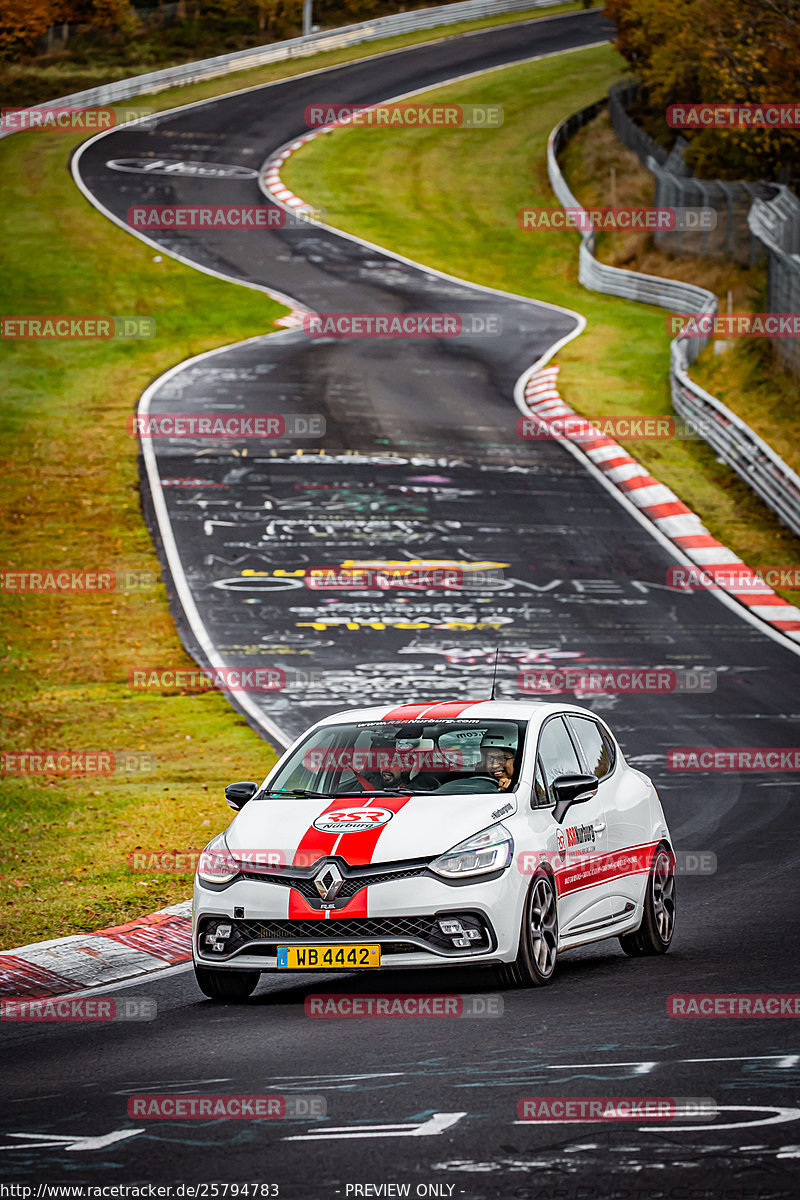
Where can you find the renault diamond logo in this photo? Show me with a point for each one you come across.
(328, 881)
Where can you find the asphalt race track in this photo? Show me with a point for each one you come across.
(420, 458)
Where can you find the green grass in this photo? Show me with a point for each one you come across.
(70, 493)
(450, 198)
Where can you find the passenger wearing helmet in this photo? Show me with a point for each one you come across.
(397, 772)
(498, 756)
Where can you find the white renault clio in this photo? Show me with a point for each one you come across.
(486, 832)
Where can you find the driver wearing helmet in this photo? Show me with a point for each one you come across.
(498, 757)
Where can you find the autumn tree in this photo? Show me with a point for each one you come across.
(22, 23)
(716, 51)
(102, 14)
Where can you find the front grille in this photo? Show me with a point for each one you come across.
(355, 878)
(351, 928)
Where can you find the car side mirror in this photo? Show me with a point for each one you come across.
(237, 794)
(572, 789)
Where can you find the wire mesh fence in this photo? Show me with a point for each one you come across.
(776, 223)
(732, 440)
(620, 97)
(731, 237)
(756, 222)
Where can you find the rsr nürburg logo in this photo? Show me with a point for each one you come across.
(353, 820)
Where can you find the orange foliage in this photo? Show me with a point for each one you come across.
(718, 51)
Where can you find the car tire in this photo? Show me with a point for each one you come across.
(226, 985)
(654, 935)
(535, 963)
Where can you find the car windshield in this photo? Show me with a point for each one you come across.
(387, 757)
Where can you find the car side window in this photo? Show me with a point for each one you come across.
(597, 749)
(540, 796)
(557, 753)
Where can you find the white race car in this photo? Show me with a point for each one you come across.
(486, 832)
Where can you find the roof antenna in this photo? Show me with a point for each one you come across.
(494, 677)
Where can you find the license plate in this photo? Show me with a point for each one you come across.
(328, 958)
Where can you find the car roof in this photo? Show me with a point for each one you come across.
(510, 710)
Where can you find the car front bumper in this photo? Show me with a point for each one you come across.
(400, 915)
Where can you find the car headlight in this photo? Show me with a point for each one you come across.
(216, 864)
(490, 850)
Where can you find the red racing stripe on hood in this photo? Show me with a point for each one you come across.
(314, 843)
(357, 849)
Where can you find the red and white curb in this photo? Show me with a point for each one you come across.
(270, 175)
(661, 506)
(70, 964)
(271, 172)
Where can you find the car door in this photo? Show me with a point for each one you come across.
(624, 799)
(577, 845)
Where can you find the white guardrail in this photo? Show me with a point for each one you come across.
(733, 441)
(300, 47)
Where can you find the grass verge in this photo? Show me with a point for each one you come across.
(425, 193)
(71, 500)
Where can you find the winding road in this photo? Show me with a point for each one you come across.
(420, 459)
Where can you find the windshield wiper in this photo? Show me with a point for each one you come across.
(301, 792)
(304, 794)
